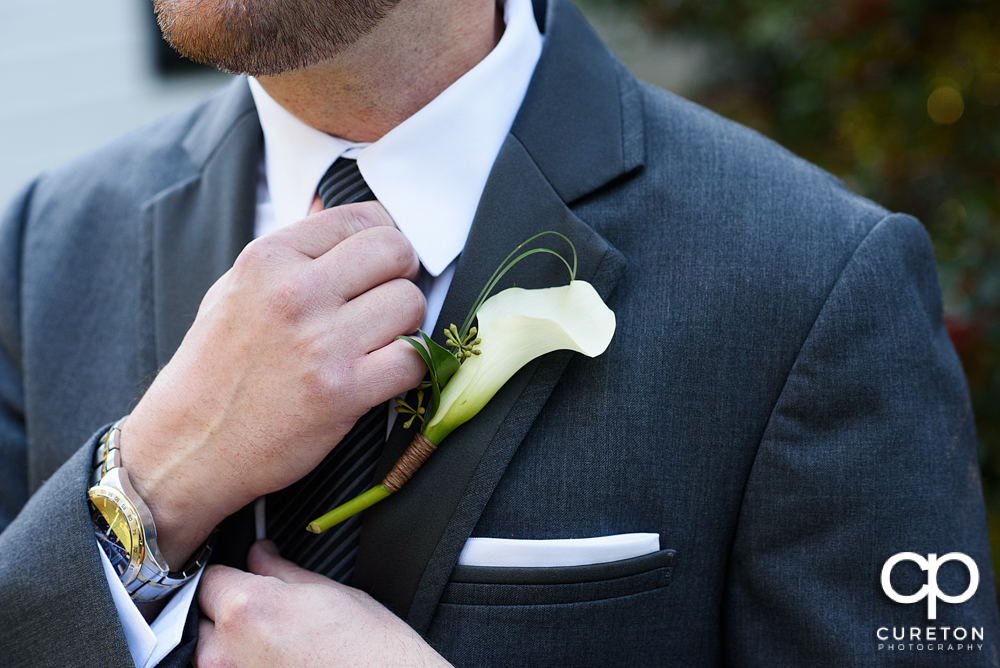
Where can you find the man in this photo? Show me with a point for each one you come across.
(779, 413)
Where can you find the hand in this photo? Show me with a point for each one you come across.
(289, 348)
(287, 616)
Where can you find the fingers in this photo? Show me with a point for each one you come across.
(222, 587)
(316, 234)
(384, 312)
(263, 559)
(394, 369)
(367, 259)
(353, 247)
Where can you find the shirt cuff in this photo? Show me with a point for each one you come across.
(150, 643)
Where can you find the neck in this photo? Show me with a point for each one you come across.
(418, 50)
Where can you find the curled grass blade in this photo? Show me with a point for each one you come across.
(506, 266)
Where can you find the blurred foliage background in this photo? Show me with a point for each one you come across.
(900, 99)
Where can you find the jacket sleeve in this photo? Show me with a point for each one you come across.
(13, 455)
(870, 451)
(55, 605)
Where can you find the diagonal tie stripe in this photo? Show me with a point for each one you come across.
(343, 184)
(349, 468)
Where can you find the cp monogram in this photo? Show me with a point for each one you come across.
(930, 590)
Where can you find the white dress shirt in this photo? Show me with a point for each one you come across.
(428, 172)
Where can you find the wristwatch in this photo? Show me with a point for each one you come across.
(125, 529)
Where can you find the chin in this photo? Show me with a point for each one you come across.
(266, 37)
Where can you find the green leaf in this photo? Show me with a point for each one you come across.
(445, 362)
(444, 365)
(422, 350)
(441, 364)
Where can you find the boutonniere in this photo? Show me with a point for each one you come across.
(513, 327)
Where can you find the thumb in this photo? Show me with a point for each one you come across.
(263, 559)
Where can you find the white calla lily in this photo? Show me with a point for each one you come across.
(515, 327)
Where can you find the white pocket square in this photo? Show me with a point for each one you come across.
(516, 553)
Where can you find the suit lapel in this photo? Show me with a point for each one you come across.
(200, 224)
(411, 541)
(196, 228)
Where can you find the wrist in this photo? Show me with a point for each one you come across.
(126, 531)
(165, 477)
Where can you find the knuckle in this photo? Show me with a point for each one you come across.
(285, 299)
(388, 247)
(333, 384)
(412, 294)
(291, 296)
(352, 398)
(235, 607)
(360, 216)
(399, 251)
(409, 304)
(322, 381)
(323, 375)
(319, 386)
(257, 252)
(339, 221)
(246, 608)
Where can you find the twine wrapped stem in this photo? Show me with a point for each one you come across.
(416, 453)
(412, 459)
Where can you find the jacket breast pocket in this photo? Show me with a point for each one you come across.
(615, 613)
(480, 585)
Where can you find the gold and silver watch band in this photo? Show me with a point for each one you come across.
(126, 530)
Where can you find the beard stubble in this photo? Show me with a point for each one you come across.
(266, 37)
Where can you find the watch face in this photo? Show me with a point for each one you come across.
(117, 554)
(117, 531)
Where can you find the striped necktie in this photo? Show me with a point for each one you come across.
(349, 468)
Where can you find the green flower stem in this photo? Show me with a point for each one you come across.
(439, 432)
(349, 509)
(371, 497)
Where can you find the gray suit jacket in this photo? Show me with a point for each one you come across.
(780, 403)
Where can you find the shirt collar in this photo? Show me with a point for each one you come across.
(429, 171)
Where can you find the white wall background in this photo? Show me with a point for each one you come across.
(74, 75)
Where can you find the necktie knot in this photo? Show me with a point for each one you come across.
(343, 184)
